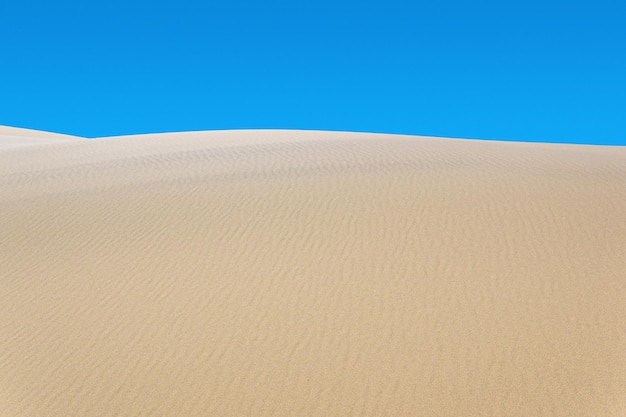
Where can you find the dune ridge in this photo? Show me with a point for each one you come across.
(15, 136)
(309, 273)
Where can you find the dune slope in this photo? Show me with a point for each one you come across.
(300, 273)
(15, 136)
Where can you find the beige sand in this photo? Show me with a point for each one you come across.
(15, 136)
(296, 273)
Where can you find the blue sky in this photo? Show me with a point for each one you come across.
(512, 70)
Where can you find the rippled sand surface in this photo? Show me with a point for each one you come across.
(303, 273)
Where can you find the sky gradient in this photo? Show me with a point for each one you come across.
(551, 71)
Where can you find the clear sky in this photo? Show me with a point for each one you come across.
(532, 70)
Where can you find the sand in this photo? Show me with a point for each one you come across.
(303, 273)
(14, 136)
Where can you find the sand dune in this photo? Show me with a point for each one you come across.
(301, 273)
(14, 136)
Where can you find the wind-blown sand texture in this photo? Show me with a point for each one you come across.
(303, 273)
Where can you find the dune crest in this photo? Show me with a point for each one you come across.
(15, 136)
(306, 273)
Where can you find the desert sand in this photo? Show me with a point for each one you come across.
(14, 136)
(307, 273)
